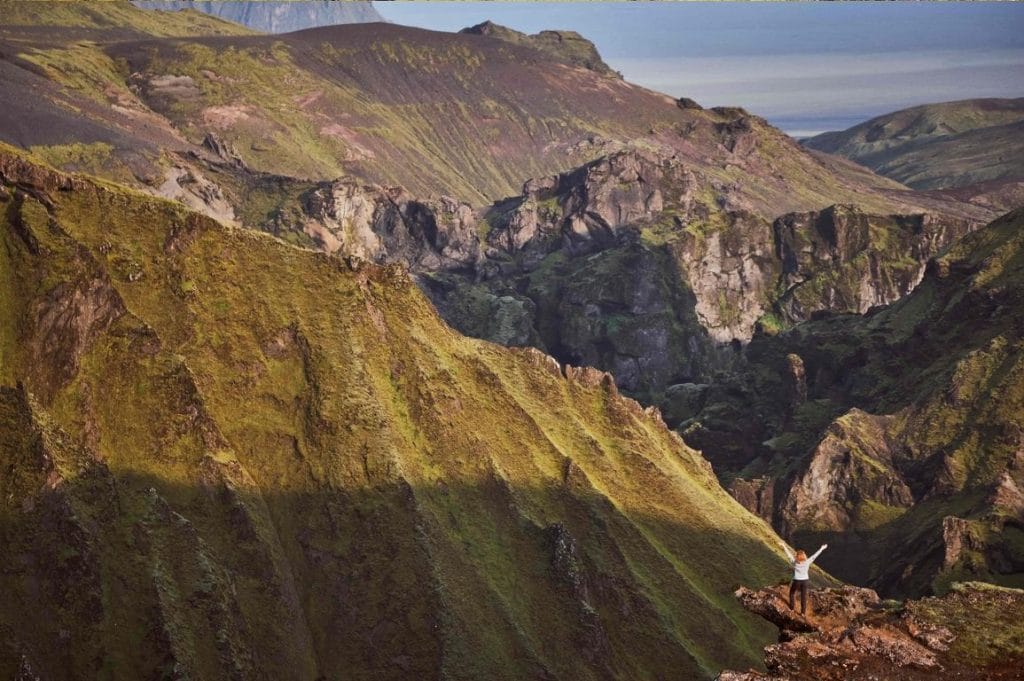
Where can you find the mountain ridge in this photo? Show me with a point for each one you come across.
(937, 146)
(222, 463)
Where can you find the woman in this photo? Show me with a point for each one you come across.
(801, 568)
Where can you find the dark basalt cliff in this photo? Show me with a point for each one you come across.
(638, 263)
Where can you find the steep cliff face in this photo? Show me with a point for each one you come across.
(843, 260)
(387, 225)
(898, 435)
(269, 16)
(636, 262)
(226, 457)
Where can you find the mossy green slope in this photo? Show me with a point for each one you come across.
(112, 16)
(226, 457)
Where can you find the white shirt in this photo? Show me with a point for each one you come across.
(800, 569)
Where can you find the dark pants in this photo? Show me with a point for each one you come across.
(802, 585)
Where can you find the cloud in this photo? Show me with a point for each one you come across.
(834, 84)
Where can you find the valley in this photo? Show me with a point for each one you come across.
(368, 351)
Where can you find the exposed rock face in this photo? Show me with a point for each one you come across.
(849, 473)
(191, 187)
(893, 436)
(275, 17)
(855, 261)
(958, 540)
(852, 636)
(732, 272)
(635, 262)
(757, 495)
(589, 208)
(567, 46)
(387, 225)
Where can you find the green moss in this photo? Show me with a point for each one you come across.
(987, 630)
(869, 515)
(120, 16)
(276, 425)
(83, 67)
(771, 323)
(87, 158)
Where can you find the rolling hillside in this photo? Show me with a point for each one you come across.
(938, 146)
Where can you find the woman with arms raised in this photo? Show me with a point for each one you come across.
(801, 570)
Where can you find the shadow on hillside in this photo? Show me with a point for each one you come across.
(130, 576)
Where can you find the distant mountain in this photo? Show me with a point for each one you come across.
(276, 16)
(938, 146)
(465, 115)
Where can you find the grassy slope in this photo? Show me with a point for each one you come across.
(951, 144)
(264, 462)
(114, 15)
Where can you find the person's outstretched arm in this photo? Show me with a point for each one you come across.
(789, 553)
(817, 553)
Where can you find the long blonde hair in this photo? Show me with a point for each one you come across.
(800, 556)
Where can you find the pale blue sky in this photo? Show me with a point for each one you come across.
(807, 67)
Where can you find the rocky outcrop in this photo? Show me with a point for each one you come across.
(590, 207)
(635, 262)
(566, 46)
(184, 183)
(737, 266)
(387, 225)
(731, 268)
(756, 495)
(844, 260)
(849, 475)
(853, 636)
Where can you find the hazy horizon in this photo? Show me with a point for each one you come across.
(806, 67)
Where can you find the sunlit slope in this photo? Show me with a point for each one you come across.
(225, 457)
(466, 115)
